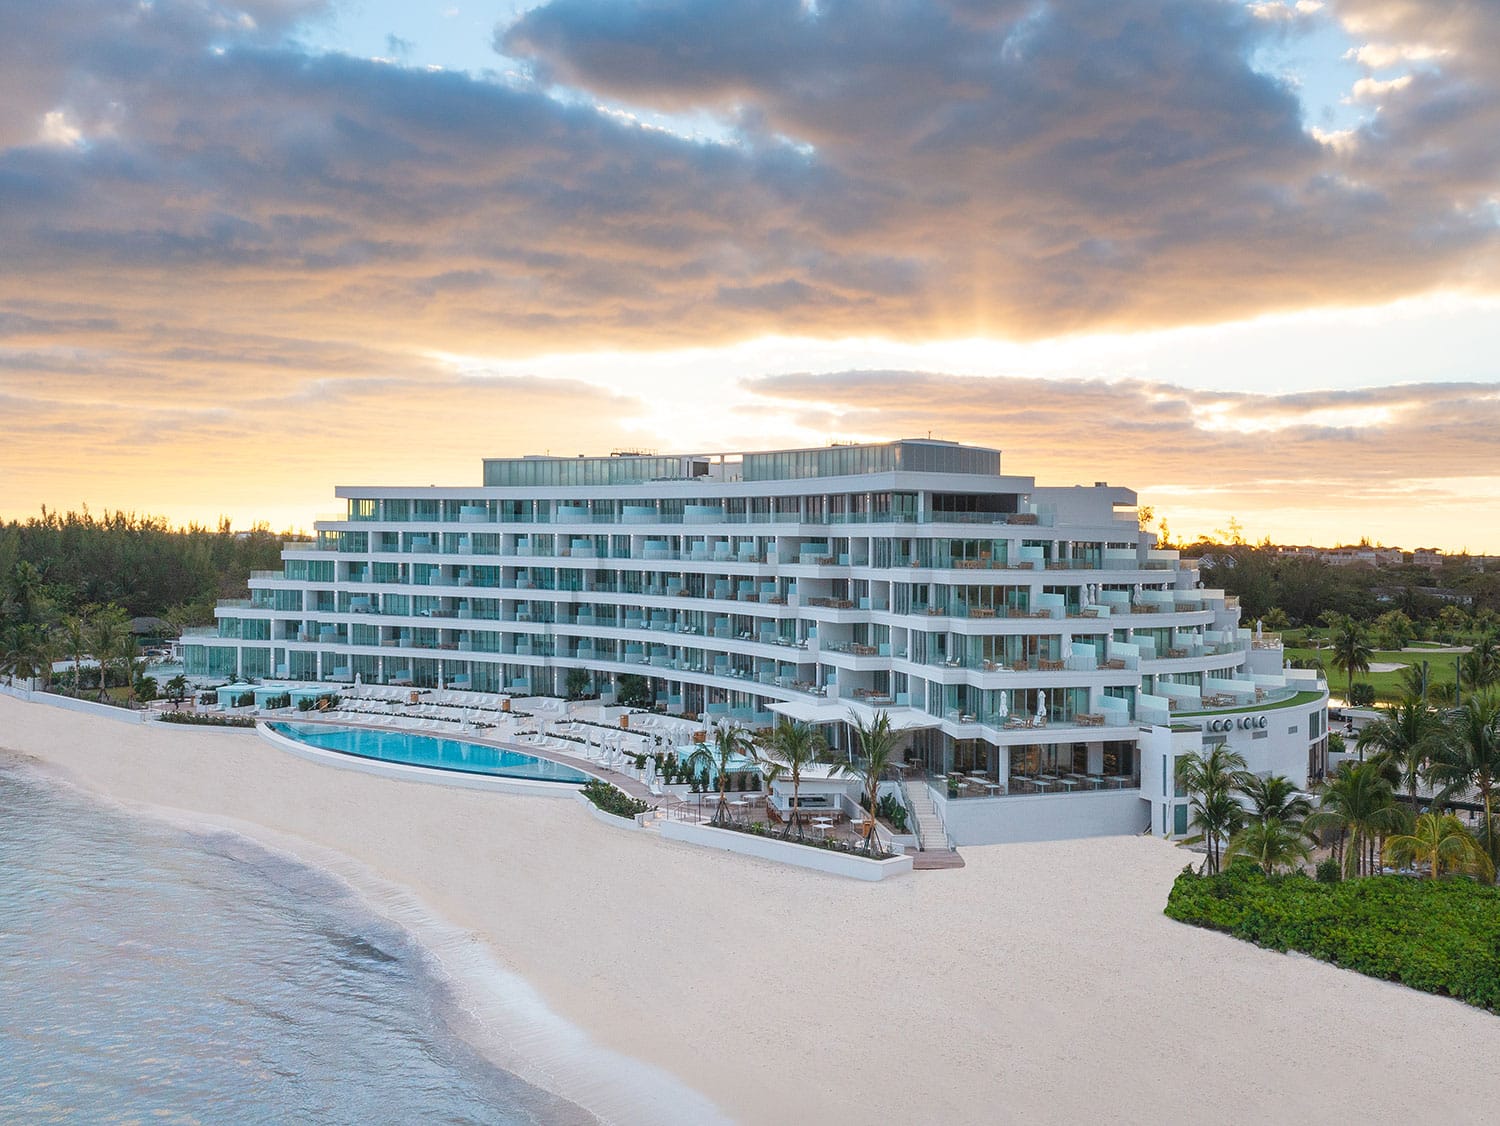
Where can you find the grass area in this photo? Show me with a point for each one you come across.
(1439, 936)
(1388, 685)
(1265, 705)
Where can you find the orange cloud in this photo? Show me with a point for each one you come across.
(1402, 464)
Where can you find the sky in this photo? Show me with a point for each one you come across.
(1241, 257)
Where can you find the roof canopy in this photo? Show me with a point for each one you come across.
(851, 711)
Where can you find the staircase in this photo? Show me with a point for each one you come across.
(932, 837)
(930, 831)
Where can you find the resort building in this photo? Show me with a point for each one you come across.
(1047, 660)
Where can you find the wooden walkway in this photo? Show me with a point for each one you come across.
(934, 859)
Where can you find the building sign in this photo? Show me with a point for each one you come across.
(1242, 723)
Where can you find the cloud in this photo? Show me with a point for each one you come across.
(193, 206)
(1018, 169)
(1161, 437)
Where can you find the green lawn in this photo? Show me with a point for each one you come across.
(1388, 685)
(1290, 702)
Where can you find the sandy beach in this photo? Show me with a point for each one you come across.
(1040, 983)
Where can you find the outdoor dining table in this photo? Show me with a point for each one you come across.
(1042, 783)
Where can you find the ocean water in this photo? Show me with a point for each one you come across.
(154, 973)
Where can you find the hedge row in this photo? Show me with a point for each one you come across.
(197, 719)
(1439, 936)
(611, 800)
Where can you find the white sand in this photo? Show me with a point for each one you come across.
(1039, 984)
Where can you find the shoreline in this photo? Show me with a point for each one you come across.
(500, 1009)
(1040, 983)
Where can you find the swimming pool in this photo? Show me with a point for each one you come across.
(411, 749)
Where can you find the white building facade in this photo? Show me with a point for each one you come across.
(1032, 640)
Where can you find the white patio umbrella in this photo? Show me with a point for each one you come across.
(1004, 705)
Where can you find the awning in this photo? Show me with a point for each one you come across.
(849, 711)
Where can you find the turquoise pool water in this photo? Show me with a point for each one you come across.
(412, 749)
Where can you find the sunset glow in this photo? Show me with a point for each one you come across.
(1239, 257)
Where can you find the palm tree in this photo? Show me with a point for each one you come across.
(1274, 798)
(177, 689)
(27, 593)
(792, 747)
(729, 740)
(1208, 778)
(24, 652)
(1481, 664)
(1409, 734)
(1470, 759)
(1441, 842)
(107, 631)
(74, 634)
(1271, 843)
(1351, 650)
(1414, 681)
(879, 745)
(1217, 816)
(1359, 801)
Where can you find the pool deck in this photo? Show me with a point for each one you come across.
(508, 734)
(484, 736)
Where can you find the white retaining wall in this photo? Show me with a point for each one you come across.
(69, 704)
(786, 852)
(1044, 817)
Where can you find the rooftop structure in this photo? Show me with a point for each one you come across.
(1033, 641)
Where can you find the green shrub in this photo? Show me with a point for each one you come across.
(829, 844)
(1362, 695)
(612, 800)
(194, 719)
(1439, 936)
(893, 810)
(1328, 871)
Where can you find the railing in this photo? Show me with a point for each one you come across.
(1047, 785)
(911, 814)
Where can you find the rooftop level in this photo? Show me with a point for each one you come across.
(912, 455)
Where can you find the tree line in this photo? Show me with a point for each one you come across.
(1301, 590)
(71, 584)
(142, 564)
